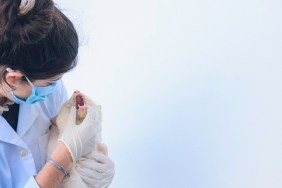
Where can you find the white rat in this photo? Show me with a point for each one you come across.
(80, 101)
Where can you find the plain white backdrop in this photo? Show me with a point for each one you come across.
(191, 90)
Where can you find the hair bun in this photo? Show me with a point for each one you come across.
(25, 25)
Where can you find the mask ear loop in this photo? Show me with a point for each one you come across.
(29, 81)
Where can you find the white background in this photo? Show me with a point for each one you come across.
(191, 90)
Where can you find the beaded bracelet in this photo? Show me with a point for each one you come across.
(60, 167)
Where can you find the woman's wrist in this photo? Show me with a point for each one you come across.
(62, 155)
(51, 175)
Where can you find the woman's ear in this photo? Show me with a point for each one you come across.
(13, 77)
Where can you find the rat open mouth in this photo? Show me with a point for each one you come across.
(81, 110)
(79, 101)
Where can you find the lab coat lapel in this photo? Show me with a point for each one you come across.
(27, 115)
(7, 134)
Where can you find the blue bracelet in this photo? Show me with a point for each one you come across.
(60, 167)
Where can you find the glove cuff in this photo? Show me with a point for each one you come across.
(72, 155)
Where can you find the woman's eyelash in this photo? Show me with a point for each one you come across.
(49, 84)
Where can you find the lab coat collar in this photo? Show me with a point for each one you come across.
(27, 115)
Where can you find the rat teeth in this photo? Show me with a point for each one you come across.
(79, 101)
(81, 107)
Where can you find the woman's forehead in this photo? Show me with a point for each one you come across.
(55, 78)
(51, 79)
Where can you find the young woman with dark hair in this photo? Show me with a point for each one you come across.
(38, 44)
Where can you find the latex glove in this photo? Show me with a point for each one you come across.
(73, 181)
(80, 139)
(96, 169)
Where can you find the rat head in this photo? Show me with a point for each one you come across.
(77, 100)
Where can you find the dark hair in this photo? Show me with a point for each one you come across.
(41, 44)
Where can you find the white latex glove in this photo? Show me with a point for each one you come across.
(80, 139)
(73, 181)
(96, 169)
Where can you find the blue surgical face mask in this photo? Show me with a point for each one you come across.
(38, 93)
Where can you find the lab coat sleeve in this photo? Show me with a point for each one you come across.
(31, 183)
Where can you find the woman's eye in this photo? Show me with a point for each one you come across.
(50, 84)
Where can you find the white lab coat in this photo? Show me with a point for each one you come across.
(23, 154)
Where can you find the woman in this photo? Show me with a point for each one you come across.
(38, 44)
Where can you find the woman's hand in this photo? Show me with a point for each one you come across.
(80, 139)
